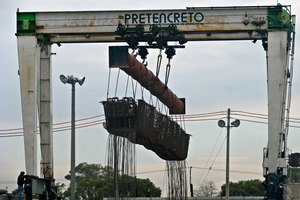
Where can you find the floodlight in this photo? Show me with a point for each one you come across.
(63, 79)
(81, 80)
(71, 79)
(221, 123)
(236, 123)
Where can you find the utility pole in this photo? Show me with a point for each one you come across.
(221, 123)
(191, 185)
(227, 154)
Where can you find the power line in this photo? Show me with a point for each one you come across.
(57, 127)
(202, 168)
(232, 171)
(200, 117)
(211, 155)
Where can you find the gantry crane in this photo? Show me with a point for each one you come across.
(37, 31)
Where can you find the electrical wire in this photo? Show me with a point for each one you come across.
(201, 168)
(200, 117)
(210, 155)
(209, 169)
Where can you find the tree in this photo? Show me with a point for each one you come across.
(294, 175)
(244, 188)
(93, 182)
(145, 188)
(90, 180)
(207, 189)
(60, 188)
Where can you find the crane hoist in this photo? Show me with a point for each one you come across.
(38, 31)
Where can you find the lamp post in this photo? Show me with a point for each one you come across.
(72, 80)
(222, 124)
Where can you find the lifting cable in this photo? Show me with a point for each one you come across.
(107, 92)
(142, 52)
(117, 82)
(127, 82)
(170, 51)
(158, 64)
(134, 87)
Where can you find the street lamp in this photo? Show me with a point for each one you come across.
(222, 124)
(72, 80)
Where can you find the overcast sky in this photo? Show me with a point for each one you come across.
(212, 76)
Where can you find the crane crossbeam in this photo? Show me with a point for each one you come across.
(196, 23)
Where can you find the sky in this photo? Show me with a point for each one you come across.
(212, 76)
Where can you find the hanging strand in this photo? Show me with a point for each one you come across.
(121, 159)
(177, 184)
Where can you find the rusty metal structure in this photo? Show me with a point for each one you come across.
(142, 124)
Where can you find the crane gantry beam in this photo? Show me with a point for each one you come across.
(207, 23)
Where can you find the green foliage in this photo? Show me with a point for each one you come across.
(93, 182)
(145, 188)
(244, 188)
(85, 170)
(60, 188)
(294, 175)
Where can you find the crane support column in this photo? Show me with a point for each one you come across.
(275, 166)
(36, 98)
(45, 112)
(28, 51)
